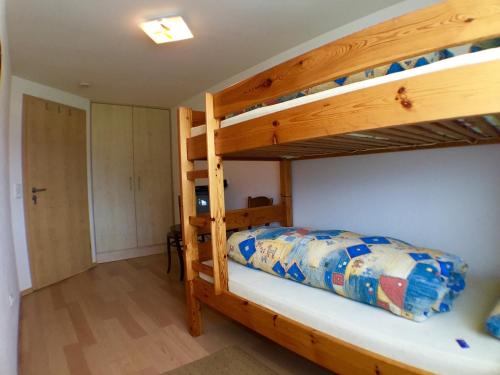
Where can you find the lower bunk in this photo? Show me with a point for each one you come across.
(348, 337)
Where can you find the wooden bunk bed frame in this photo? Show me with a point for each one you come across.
(425, 111)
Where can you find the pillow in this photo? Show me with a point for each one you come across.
(493, 321)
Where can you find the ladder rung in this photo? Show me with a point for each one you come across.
(203, 268)
(198, 118)
(204, 251)
(193, 175)
(198, 221)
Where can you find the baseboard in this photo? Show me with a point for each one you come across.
(111, 256)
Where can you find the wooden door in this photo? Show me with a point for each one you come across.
(154, 209)
(113, 177)
(57, 218)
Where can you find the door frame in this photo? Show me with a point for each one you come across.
(25, 190)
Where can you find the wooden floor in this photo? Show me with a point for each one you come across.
(127, 317)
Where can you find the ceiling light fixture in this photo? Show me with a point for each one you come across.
(165, 30)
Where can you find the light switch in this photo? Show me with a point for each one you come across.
(18, 188)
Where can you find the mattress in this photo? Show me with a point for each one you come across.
(450, 343)
(450, 63)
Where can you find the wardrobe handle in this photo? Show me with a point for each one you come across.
(139, 183)
(131, 183)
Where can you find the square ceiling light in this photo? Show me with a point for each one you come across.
(165, 30)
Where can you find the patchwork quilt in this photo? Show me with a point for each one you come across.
(493, 321)
(408, 281)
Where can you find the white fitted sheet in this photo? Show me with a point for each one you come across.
(430, 345)
(453, 62)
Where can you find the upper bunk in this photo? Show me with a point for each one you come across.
(452, 102)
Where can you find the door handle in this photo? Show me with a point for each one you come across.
(34, 190)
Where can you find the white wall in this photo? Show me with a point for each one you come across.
(9, 289)
(247, 178)
(19, 88)
(446, 199)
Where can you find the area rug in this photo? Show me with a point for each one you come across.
(228, 361)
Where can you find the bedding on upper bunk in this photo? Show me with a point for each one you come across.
(435, 61)
(380, 71)
(380, 271)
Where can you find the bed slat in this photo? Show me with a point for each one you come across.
(203, 268)
(241, 218)
(198, 118)
(486, 128)
(197, 174)
(457, 126)
(197, 147)
(425, 132)
(204, 251)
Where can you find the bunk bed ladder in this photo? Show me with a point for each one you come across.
(193, 224)
(217, 204)
(196, 253)
(188, 210)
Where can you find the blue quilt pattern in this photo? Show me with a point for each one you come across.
(493, 322)
(408, 281)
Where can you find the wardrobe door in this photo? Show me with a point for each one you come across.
(153, 175)
(113, 177)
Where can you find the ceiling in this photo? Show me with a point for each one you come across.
(63, 42)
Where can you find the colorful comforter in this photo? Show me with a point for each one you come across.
(493, 321)
(380, 271)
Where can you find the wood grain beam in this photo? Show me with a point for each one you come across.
(244, 217)
(448, 23)
(198, 118)
(426, 98)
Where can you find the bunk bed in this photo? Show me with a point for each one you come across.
(450, 103)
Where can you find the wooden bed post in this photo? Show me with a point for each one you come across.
(286, 191)
(189, 232)
(217, 206)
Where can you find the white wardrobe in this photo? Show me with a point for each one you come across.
(131, 180)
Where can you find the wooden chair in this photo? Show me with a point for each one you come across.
(259, 202)
(174, 238)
